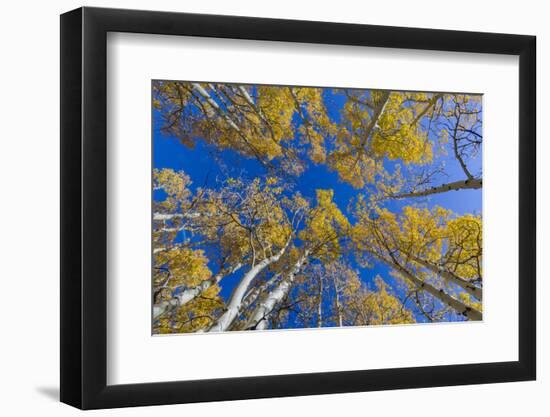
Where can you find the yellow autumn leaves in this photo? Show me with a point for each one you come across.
(292, 125)
(184, 268)
(296, 251)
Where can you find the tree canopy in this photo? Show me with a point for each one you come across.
(281, 207)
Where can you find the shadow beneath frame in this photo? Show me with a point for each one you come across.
(49, 392)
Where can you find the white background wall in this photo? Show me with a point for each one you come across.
(29, 225)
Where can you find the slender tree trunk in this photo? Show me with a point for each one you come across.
(163, 217)
(204, 94)
(467, 311)
(377, 112)
(337, 302)
(230, 122)
(473, 184)
(253, 105)
(236, 300)
(175, 229)
(320, 304)
(373, 123)
(170, 247)
(455, 148)
(253, 295)
(259, 318)
(430, 105)
(371, 127)
(191, 293)
(162, 249)
(170, 216)
(449, 276)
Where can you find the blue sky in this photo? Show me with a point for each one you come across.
(199, 164)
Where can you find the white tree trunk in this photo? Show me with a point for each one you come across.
(258, 320)
(191, 293)
(469, 312)
(230, 122)
(373, 123)
(166, 216)
(163, 217)
(449, 276)
(337, 302)
(320, 304)
(255, 293)
(378, 111)
(174, 229)
(473, 184)
(204, 94)
(253, 105)
(236, 300)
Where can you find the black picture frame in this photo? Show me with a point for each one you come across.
(84, 207)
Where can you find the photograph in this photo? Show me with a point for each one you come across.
(281, 207)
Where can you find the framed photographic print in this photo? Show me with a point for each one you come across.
(257, 208)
